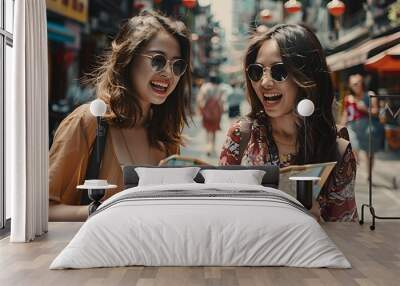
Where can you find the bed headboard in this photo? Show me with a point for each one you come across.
(270, 179)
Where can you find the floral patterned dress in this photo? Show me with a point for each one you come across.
(337, 199)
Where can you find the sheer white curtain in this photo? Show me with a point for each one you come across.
(27, 123)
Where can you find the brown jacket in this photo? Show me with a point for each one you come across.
(69, 156)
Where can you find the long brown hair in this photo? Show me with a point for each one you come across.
(113, 81)
(305, 61)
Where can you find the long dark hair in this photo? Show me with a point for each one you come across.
(113, 80)
(304, 58)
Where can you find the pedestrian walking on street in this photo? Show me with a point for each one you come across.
(355, 117)
(234, 100)
(210, 101)
(285, 65)
(145, 82)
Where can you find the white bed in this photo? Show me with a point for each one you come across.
(201, 225)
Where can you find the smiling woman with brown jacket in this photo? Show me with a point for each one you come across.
(145, 82)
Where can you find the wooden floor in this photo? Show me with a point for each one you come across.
(375, 256)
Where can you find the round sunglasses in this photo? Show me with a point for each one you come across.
(277, 72)
(159, 62)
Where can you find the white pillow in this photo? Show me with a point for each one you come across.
(163, 176)
(248, 177)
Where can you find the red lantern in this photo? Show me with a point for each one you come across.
(265, 15)
(138, 6)
(292, 6)
(157, 1)
(336, 8)
(189, 3)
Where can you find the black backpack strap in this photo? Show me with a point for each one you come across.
(93, 168)
(245, 128)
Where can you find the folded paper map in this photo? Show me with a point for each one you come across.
(321, 170)
(178, 160)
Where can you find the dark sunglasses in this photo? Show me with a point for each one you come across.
(159, 62)
(277, 72)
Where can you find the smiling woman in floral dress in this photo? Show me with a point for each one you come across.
(283, 66)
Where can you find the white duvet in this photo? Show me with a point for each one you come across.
(267, 229)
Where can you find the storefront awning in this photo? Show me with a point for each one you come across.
(59, 33)
(359, 54)
(387, 61)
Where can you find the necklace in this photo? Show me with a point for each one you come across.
(285, 143)
(132, 155)
(286, 158)
(287, 140)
